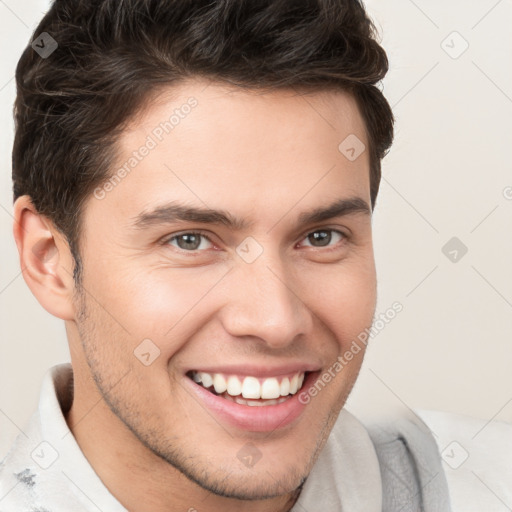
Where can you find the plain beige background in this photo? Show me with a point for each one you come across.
(449, 174)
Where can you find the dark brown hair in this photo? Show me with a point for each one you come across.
(112, 55)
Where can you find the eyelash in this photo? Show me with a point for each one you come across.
(344, 236)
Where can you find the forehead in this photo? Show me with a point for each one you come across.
(247, 151)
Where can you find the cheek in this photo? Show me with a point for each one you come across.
(343, 298)
(155, 302)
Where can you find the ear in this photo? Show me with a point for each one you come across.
(45, 259)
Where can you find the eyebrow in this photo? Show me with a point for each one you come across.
(175, 212)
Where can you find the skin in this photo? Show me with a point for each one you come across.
(265, 158)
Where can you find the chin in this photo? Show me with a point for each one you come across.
(248, 484)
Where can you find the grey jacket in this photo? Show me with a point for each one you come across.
(413, 478)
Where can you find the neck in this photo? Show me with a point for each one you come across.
(138, 478)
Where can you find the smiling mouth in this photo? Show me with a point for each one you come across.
(249, 390)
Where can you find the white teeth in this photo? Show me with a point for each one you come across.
(206, 379)
(285, 387)
(234, 386)
(251, 388)
(260, 403)
(257, 403)
(219, 383)
(270, 389)
(293, 384)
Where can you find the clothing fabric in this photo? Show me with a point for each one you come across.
(370, 468)
(477, 457)
(413, 478)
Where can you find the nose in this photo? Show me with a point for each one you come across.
(262, 302)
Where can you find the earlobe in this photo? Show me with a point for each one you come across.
(45, 259)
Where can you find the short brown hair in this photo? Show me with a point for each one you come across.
(112, 54)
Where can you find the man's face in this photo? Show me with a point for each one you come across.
(254, 300)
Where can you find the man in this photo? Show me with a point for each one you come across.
(194, 184)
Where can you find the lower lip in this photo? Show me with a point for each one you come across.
(255, 419)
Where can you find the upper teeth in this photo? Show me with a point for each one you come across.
(250, 387)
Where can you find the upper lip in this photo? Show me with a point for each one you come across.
(262, 371)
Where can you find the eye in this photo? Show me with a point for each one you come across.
(191, 241)
(324, 237)
(195, 241)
